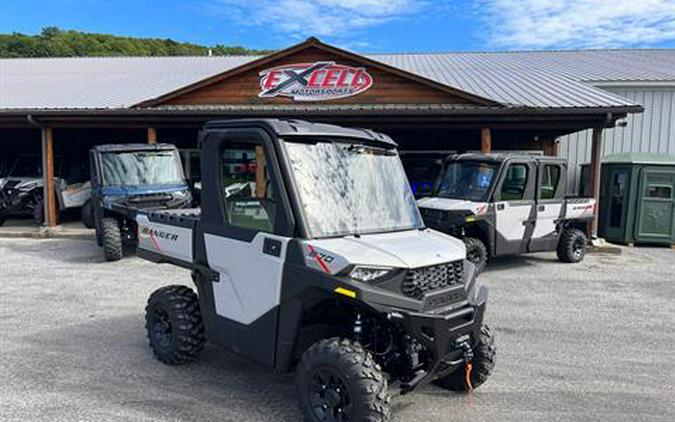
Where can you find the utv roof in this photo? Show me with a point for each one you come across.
(133, 147)
(291, 128)
(640, 158)
(501, 157)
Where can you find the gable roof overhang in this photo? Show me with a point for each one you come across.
(333, 51)
(392, 115)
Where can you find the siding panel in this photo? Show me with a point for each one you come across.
(652, 131)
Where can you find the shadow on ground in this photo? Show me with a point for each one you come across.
(108, 364)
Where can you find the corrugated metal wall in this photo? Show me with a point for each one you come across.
(651, 131)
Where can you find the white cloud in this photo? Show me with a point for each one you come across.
(577, 23)
(323, 18)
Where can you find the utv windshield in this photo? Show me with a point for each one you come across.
(469, 180)
(27, 166)
(347, 188)
(135, 168)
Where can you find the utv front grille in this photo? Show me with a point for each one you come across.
(419, 281)
(155, 201)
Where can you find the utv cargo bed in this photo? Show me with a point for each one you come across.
(167, 235)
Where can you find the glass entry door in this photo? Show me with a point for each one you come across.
(617, 203)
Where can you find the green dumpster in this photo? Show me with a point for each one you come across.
(637, 198)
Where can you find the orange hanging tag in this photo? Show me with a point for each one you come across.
(469, 366)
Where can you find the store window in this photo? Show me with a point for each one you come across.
(550, 178)
(659, 191)
(515, 183)
(249, 200)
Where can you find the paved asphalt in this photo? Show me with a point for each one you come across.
(587, 342)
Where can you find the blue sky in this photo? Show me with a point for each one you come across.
(363, 25)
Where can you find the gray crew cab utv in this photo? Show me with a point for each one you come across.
(126, 178)
(504, 204)
(309, 253)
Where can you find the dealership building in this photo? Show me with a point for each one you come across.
(576, 104)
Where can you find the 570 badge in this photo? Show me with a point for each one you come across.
(322, 256)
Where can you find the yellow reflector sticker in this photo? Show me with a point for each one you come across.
(346, 292)
(470, 218)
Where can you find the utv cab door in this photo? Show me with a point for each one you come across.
(246, 225)
(551, 177)
(514, 207)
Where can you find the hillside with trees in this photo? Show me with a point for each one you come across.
(55, 42)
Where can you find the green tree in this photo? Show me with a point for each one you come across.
(55, 42)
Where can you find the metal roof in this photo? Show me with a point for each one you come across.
(101, 82)
(618, 65)
(505, 81)
(541, 79)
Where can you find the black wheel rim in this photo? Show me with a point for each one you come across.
(328, 396)
(161, 328)
(474, 256)
(578, 248)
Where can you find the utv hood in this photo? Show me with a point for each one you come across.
(405, 249)
(19, 182)
(450, 204)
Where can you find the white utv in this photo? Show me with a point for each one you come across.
(318, 262)
(503, 204)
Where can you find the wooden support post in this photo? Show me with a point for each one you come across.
(550, 147)
(260, 185)
(152, 135)
(485, 140)
(596, 164)
(49, 194)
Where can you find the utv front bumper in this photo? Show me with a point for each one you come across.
(444, 337)
(13, 201)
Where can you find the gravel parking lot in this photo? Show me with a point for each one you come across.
(593, 341)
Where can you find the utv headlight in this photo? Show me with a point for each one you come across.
(182, 195)
(366, 274)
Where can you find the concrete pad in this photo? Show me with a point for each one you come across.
(587, 342)
(28, 229)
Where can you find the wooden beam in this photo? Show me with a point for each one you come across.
(596, 164)
(49, 194)
(152, 135)
(485, 140)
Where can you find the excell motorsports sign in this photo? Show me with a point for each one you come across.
(318, 81)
